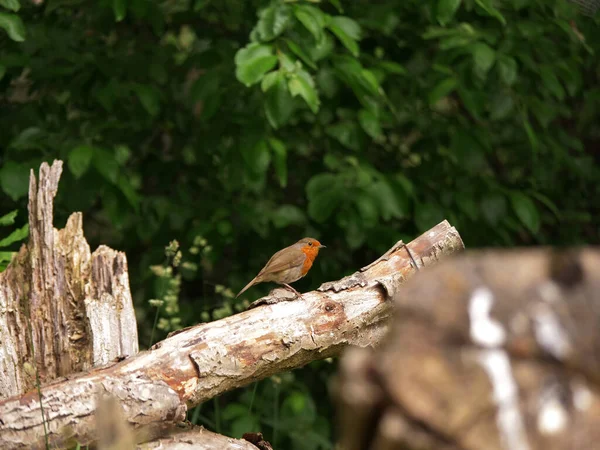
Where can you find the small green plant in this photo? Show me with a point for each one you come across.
(17, 235)
(169, 287)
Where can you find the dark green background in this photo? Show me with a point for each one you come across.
(239, 127)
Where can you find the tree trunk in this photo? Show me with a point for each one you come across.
(197, 364)
(490, 351)
(63, 309)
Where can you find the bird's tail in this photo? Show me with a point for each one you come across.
(248, 286)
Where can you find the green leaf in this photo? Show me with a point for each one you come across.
(474, 101)
(507, 68)
(526, 211)
(469, 153)
(303, 85)
(273, 21)
(367, 208)
(269, 80)
(349, 26)
(119, 9)
(337, 4)
(122, 154)
(244, 423)
(312, 18)
(16, 236)
(328, 83)
(501, 106)
(79, 160)
(13, 25)
(323, 49)
(445, 11)
(8, 219)
(206, 86)
(14, 179)
(483, 57)
(280, 160)
(287, 215)
(149, 97)
(253, 61)
(487, 6)
(128, 191)
(324, 196)
(369, 81)
(12, 5)
(442, 89)
(533, 140)
(257, 157)
(552, 84)
(106, 164)
(4, 258)
(298, 51)
(390, 205)
(493, 207)
(392, 67)
(279, 104)
(427, 215)
(370, 123)
(346, 133)
(341, 27)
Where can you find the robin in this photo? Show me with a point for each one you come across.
(288, 265)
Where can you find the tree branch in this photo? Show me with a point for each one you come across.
(209, 359)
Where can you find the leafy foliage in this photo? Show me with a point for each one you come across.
(248, 125)
(15, 236)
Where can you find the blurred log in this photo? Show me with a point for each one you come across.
(197, 438)
(115, 434)
(190, 367)
(491, 350)
(63, 309)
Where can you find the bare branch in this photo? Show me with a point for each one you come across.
(157, 386)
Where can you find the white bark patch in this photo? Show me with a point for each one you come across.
(485, 331)
(552, 418)
(582, 397)
(550, 292)
(489, 333)
(509, 420)
(549, 333)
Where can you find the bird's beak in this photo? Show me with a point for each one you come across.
(322, 246)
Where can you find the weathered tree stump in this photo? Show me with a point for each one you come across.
(63, 309)
(495, 350)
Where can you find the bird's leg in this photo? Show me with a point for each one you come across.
(298, 294)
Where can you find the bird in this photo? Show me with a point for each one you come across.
(288, 265)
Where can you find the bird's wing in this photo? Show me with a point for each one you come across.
(284, 259)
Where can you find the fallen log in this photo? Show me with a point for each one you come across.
(157, 386)
(494, 350)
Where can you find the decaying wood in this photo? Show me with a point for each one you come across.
(197, 438)
(63, 309)
(495, 350)
(157, 386)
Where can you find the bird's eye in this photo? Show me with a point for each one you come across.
(310, 243)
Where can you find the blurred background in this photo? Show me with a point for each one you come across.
(202, 136)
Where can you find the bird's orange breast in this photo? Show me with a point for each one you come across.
(311, 253)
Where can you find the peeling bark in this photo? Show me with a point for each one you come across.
(63, 309)
(493, 350)
(188, 368)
